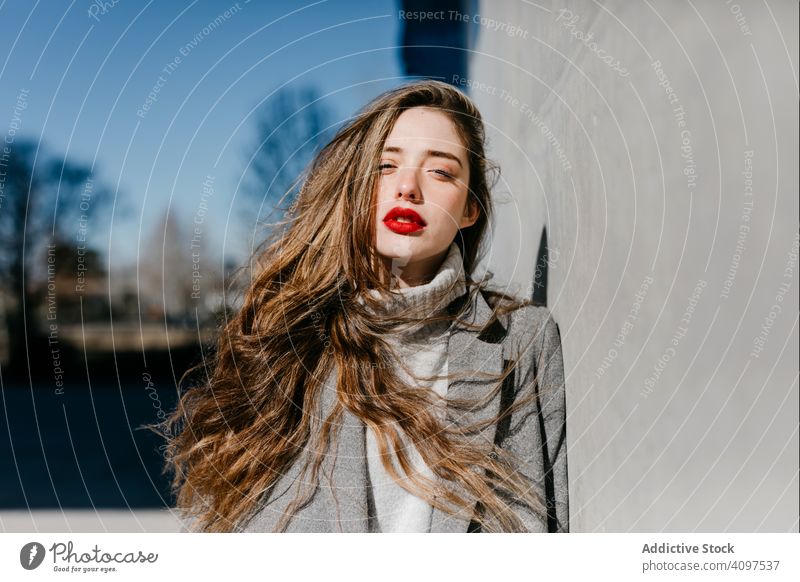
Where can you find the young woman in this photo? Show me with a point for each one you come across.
(368, 382)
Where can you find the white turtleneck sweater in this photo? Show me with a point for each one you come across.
(423, 349)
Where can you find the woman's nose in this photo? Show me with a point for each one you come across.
(407, 183)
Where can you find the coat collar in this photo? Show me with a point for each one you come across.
(467, 351)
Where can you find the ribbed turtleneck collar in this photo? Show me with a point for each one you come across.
(433, 297)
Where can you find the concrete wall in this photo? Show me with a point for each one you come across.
(662, 159)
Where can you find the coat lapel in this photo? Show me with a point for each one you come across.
(346, 467)
(467, 351)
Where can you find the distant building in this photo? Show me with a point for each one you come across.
(437, 47)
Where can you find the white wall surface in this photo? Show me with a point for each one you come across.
(661, 248)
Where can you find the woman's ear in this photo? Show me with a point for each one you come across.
(471, 213)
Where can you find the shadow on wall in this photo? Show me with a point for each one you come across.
(539, 292)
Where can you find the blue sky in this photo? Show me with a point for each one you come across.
(89, 69)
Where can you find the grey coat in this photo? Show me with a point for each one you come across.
(537, 434)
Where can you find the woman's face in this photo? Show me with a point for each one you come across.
(422, 194)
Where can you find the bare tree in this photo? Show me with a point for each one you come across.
(47, 201)
(165, 269)
(292, 126)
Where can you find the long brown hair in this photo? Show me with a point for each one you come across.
(306, 311)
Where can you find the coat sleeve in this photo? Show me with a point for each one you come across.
(553, 426)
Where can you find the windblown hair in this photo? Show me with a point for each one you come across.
(306, 312)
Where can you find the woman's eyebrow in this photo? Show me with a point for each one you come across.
(429, 153)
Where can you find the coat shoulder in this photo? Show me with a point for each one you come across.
(530, 318)
(526, 323)
(536, 431)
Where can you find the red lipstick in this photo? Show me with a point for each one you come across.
(403, 220)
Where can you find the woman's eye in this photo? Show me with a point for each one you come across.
(383, 167)
(443, 173)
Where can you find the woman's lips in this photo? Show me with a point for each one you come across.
(403, 220)
(402, 227)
